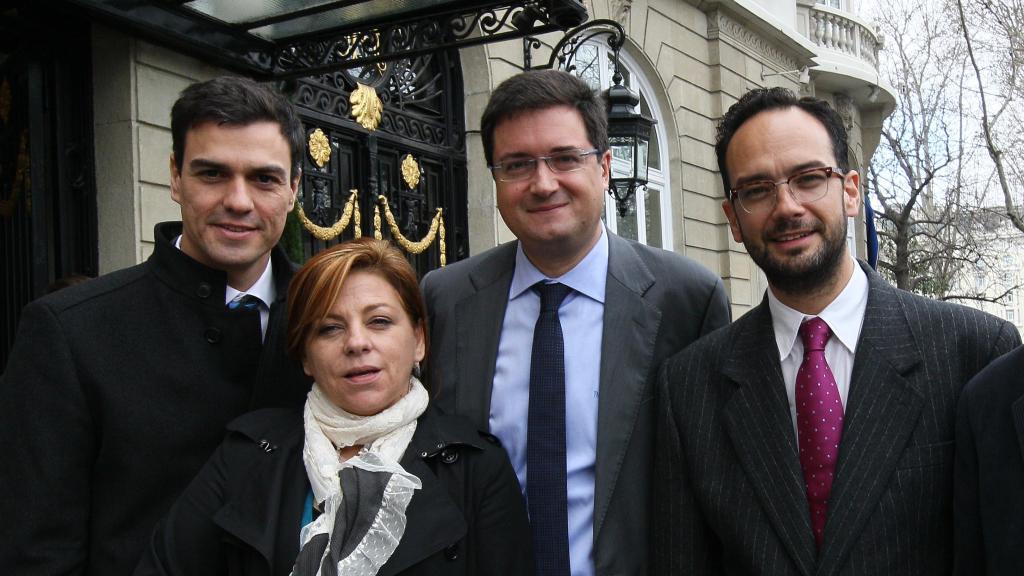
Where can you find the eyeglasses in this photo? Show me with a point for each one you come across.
(805, 186)
(518, 169)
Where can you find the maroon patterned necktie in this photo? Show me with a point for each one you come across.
(819, 421)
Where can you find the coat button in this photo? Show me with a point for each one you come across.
(204, 290)
(452, 552)
(212, 335)
(449, 456)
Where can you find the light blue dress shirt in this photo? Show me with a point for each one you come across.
(582, 319)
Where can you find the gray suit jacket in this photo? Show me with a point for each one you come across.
(730, 492)
(656, 303)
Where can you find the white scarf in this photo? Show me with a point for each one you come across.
(384, 437)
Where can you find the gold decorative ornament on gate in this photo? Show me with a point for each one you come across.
(367, 108)
(319, 148)
(351, 212)
(411, 172)
(436, 231)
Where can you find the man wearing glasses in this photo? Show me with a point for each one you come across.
(553, 342)
(815, 434)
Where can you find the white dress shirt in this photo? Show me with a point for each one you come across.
(582, 318)
(844, 316)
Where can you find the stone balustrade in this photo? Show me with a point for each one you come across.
(835, 30)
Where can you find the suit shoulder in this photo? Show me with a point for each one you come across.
(964, 318)
(455, 277)
(664, 261)
(707, 348)
(998, 385)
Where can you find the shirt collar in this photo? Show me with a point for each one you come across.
(264, 288)
(844, 315)
(588, 277)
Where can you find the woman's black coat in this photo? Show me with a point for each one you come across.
(242, 513)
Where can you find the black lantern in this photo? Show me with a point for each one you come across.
(629, 139)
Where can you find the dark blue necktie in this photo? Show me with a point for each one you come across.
(545, 437)
(244, 302)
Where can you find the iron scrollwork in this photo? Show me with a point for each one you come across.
(412, 37)
(563, 55)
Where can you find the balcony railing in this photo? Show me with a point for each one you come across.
(835, 30)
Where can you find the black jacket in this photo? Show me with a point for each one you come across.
(989, 470)
(116, 393)
(242, 513)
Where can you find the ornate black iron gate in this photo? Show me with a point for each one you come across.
(47, 186)
(415, 157)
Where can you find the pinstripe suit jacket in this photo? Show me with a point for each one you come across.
(729, 490)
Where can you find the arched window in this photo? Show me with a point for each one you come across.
(649, 217)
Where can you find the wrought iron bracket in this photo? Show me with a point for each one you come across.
(563, 54)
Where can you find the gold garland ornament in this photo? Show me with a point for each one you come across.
(319, 148)
(325, 234)
(366, 106)
(436, 230)
(411, 172)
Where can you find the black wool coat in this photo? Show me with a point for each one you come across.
(116, 393)
(242, 514)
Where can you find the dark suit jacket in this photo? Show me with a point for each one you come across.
(989, 476)
(117, 391)
(730, 491)
(242, 513)
(656, 303)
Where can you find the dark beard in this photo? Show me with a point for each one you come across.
(804, 275)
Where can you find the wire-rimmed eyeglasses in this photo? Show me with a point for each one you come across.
(805, 186)
(516, 169)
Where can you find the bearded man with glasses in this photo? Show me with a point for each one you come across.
(568, 391)
(814, 435)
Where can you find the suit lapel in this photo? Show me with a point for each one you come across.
(1018, 422)
(758, 422)
(882, 410)
(627, 346)
(478, 321)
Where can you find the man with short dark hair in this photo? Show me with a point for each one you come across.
(814, 434)
(118, 389)
(552, 342)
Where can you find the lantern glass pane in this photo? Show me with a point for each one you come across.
(626, 225)
(655, 149)
(641, 165)
(622, 156)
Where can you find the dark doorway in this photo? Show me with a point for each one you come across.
(47, 186)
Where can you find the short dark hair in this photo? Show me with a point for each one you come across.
(235, 101)
(541, 89)
(762, 99)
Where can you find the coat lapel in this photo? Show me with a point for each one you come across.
(271, 499)
(757, 421)
(478, 321)
(1018, 422)
(629, 335)
(434, 520)
(882, 410)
